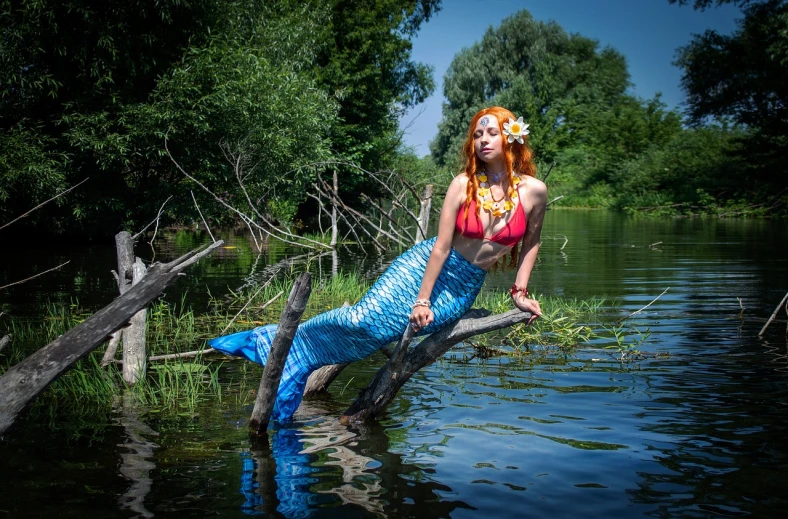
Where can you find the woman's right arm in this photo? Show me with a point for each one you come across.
(422, 316)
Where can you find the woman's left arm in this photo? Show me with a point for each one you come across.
(536, 193)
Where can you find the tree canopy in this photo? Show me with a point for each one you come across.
(94, 87)
(742, 78)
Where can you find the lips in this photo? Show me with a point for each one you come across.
(484, 150)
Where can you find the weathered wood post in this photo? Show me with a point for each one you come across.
(272, 373)
(124, 249)
(135, 359)
(334, 227)
(424, 213)
(130, 272)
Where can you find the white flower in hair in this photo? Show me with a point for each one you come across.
(515, 130)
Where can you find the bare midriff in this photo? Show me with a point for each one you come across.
(482, 253)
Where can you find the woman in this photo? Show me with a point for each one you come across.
(489, 208)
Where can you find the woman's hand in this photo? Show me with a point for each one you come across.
(527, 305)
(421, 317)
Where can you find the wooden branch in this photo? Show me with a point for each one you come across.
(202, 217)
(774, 314)
(387, 188)
(556, 199)
(283, 340)
(42, 204)
(360, 216)
(35, 276)
(387, 216)
(24, 381)
(231, 208)
(155, 220)
(404, 363)
(321, 378)
(353, 214)
(351, 227)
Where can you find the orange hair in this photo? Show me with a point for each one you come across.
(518, 158)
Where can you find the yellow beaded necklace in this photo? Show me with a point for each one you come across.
(497, 208)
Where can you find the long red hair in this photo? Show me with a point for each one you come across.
(518, 158)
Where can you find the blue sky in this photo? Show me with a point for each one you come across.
(646, 32)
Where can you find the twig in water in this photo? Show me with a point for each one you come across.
(43, 203)
(32, 277)
(202, 217)
(638, 311)
(774, 314)
(654, 244)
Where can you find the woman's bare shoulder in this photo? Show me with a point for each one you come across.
(535, 187)
(461, 180)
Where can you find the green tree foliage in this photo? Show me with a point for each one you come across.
(365, 62)
(743, 78)
(571, 92)
(93, 88)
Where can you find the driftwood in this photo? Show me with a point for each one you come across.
(405, 362)
(272, 373)
(24, 381)
(774, 314)
(124, 250)
(320, 379)
(134, 356)
(5, 341)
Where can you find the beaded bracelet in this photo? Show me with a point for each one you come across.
(516, 290)
(421, 302)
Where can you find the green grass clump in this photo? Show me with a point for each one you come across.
(565, 326)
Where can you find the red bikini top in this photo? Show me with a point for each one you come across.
(508, 236)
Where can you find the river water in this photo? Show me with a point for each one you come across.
(697, 428)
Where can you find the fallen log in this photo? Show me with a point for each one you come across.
(321, 378)
(24, 381)
(404, 362)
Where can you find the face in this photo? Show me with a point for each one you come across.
(487, 140)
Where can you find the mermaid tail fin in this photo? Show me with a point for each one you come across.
(255, 345)
(241, 344)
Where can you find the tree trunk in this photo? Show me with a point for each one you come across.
(124, 248)
(272, 373)
(24, 381)
(404, 362)
(134, 355)
(424, 213)
(334, 228)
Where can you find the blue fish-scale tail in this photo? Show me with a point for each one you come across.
(352, 333)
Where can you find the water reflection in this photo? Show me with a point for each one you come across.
(136, 457)
(323, 464)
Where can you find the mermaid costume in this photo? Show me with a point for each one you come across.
(352, 333)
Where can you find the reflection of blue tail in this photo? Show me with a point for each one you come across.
(351, 333)
(292, 481)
